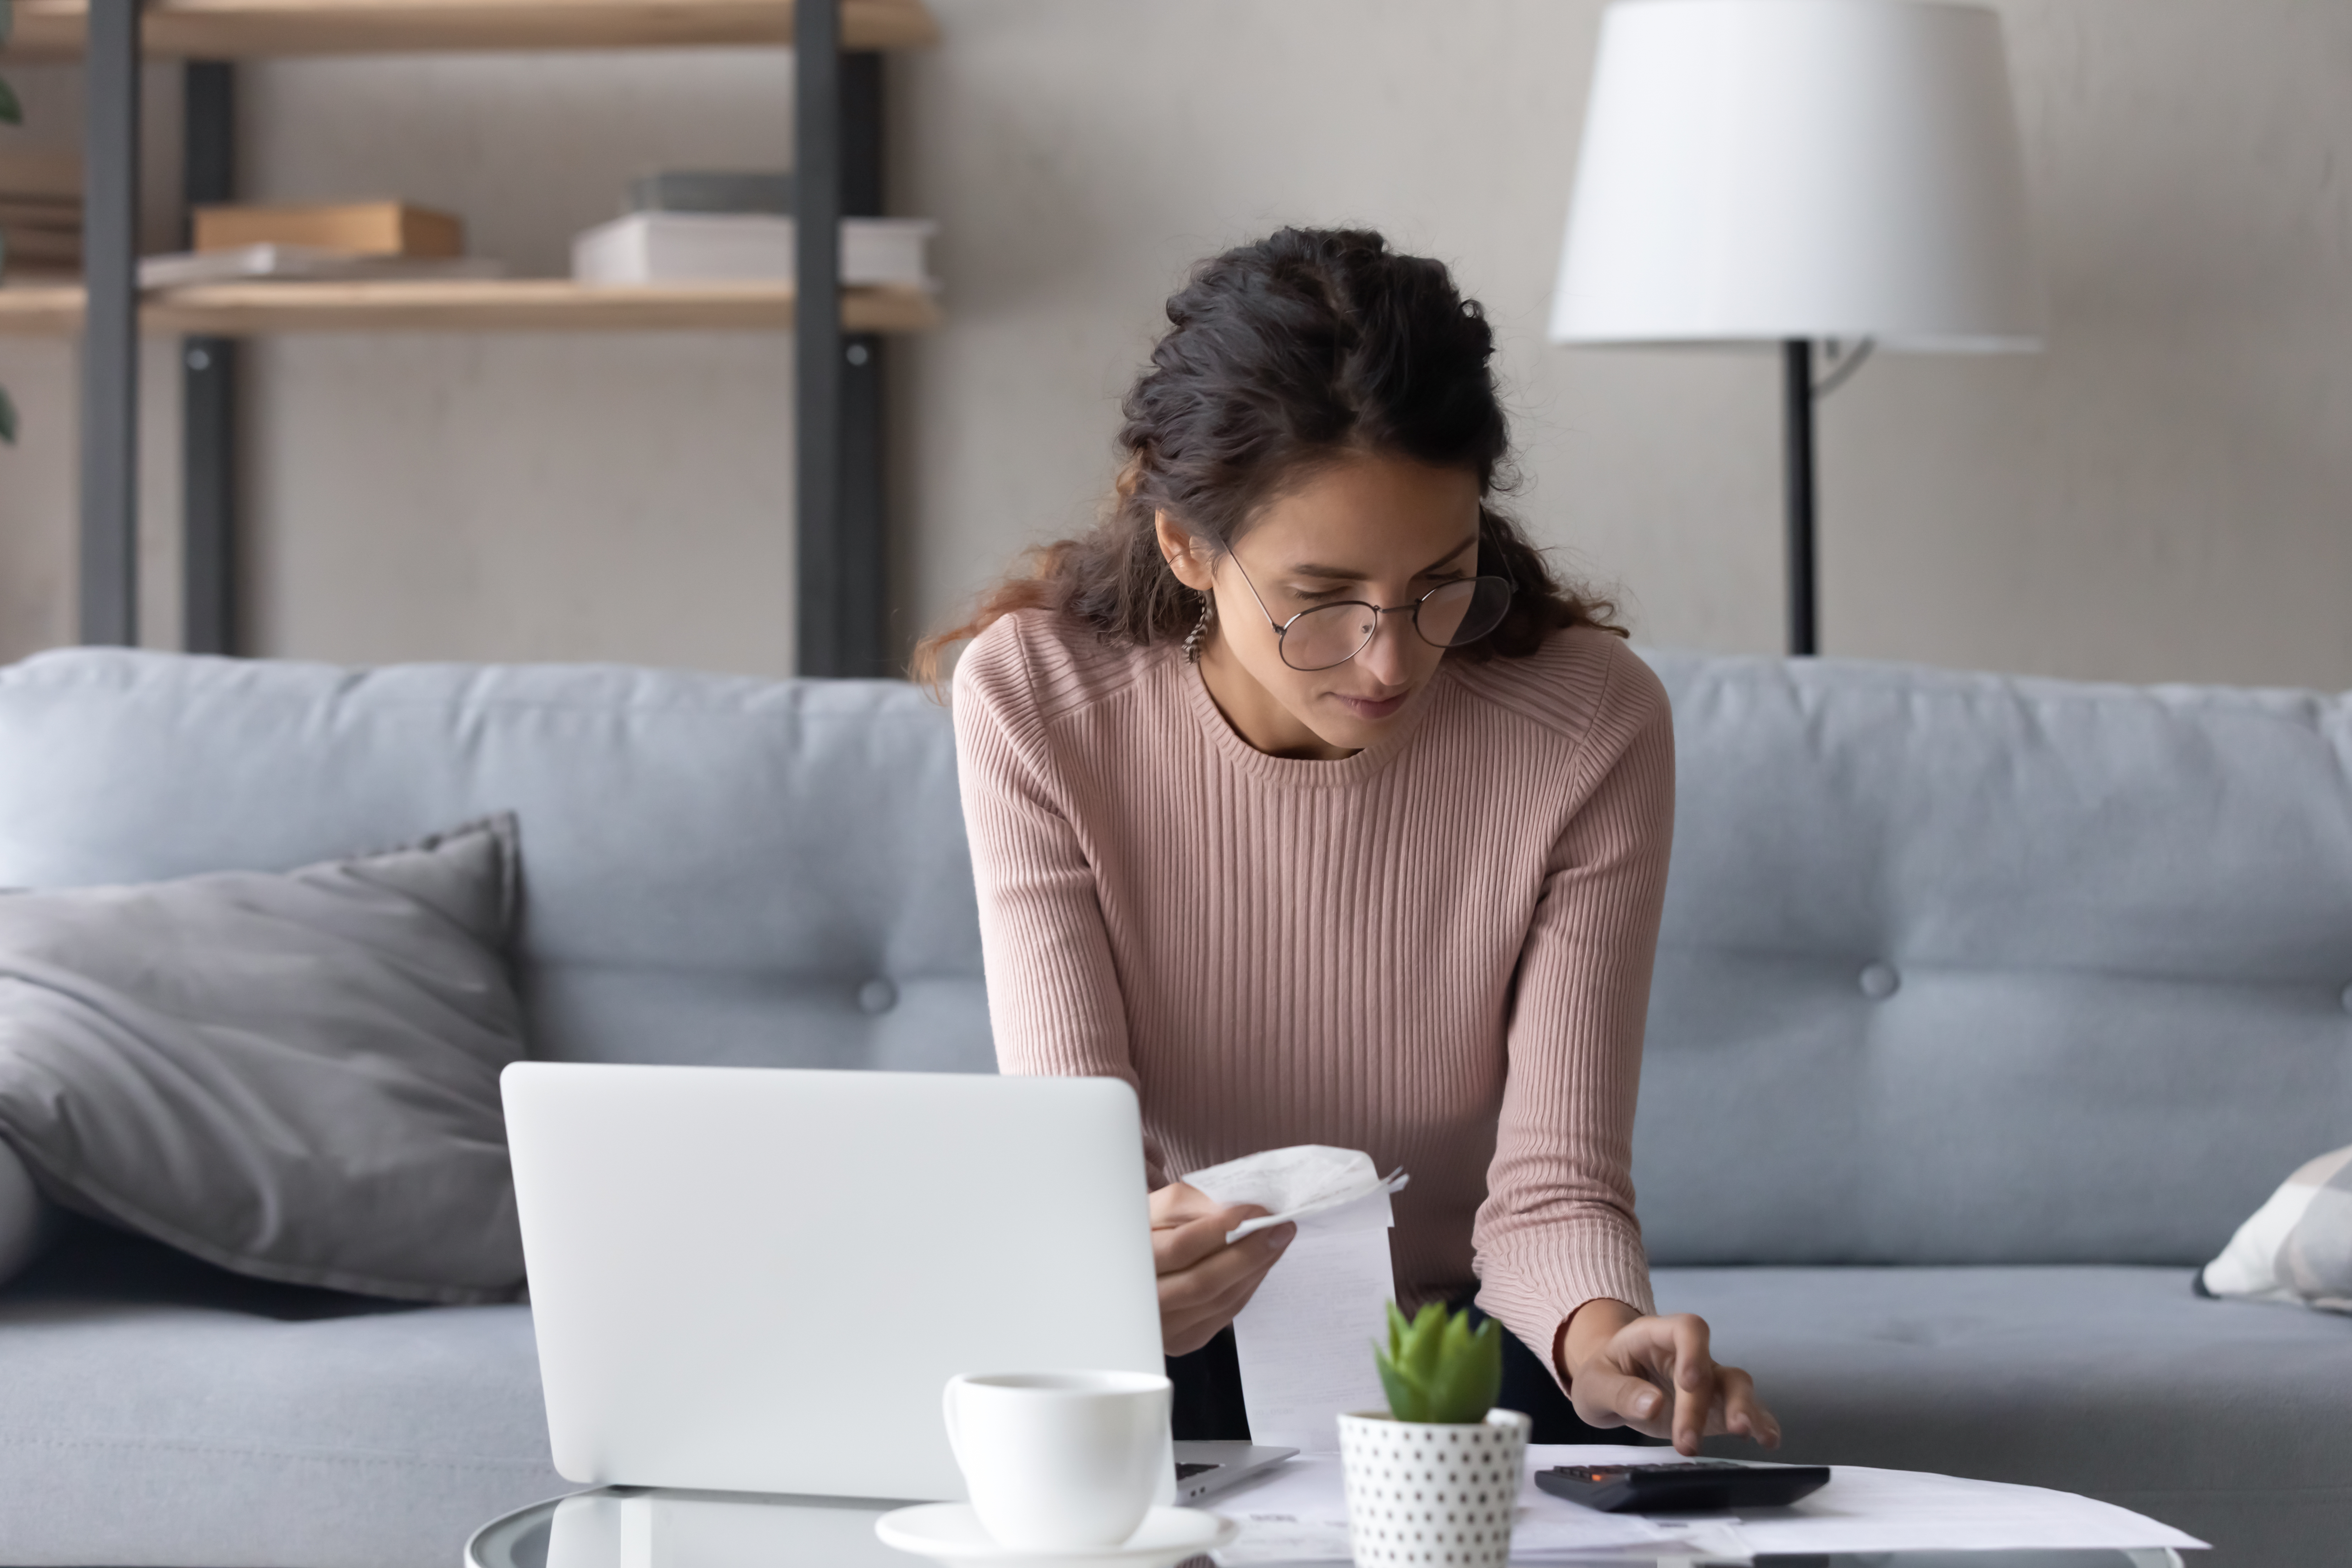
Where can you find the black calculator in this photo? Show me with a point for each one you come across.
(1689, 1486)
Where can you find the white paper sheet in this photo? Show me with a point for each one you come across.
(1902, 1510)
(1293, 1184)
(1298, 1513)
(1305, 1340)
(1870, 1510)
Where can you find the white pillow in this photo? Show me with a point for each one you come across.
(2298, 1247)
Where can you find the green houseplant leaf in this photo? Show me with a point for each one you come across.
(1437, 1368)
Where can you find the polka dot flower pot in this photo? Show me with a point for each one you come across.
(1427, 1495)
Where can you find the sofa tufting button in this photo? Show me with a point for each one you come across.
(876, 997)
(1879, 981)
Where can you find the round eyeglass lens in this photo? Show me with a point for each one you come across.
(1319, 638)
(1463, 612)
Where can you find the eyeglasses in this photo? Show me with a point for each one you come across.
(1448, 615)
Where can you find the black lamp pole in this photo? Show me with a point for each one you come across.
(1797, 399)
(818, 351)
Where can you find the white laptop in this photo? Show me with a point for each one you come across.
(758, 1279)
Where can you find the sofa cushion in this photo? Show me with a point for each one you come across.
(2227, 1419)
(722, 869)
(157, 1411)
(295, 1077)
(1977, 969)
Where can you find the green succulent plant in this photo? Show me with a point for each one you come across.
(1437, 1368)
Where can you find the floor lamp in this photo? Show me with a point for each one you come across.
(1800, 172)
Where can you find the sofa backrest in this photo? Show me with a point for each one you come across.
(1964, 968)
(1956, 968)
(716, 869)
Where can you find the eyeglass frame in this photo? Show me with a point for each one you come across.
(1282, 629)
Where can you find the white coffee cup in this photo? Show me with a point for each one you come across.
(1060, 1461)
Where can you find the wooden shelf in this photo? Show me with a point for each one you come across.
(239, 30)
(471, 305)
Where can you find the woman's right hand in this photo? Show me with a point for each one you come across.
(1203, 1282)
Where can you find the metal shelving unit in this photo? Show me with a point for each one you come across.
(838, 333)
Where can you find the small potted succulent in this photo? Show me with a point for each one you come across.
(1434, 1478)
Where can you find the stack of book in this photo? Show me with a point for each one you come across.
(727, 227)
(351, 239)
(352, 228)
(41, 213)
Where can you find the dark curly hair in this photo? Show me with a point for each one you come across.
(1279, 357)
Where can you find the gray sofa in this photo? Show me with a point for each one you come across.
(1986, 1009)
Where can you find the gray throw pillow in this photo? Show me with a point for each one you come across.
(2298, 1247)
(23, 1217)
(292, 1075)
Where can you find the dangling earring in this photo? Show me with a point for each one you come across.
(1192, 638)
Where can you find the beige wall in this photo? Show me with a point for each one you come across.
(39, 478)
(2165, 493)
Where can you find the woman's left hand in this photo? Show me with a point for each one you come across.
(1655, 1375)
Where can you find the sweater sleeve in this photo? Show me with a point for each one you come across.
(1054, 999)
(1556, 1229)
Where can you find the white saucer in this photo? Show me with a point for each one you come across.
(950, 1533)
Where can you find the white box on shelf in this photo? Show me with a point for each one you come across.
(734, 247)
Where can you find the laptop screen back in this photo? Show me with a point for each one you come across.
(760, 1279)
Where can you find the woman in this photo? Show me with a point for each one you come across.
(1306, 800)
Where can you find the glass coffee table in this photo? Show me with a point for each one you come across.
(631, 1527)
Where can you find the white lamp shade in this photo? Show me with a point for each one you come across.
(1800, 169)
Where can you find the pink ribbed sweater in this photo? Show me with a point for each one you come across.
(1437, 950)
